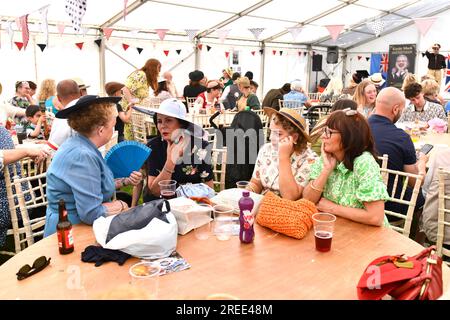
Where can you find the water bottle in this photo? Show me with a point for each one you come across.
(246, 219)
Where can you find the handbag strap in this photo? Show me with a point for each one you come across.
(431, 260)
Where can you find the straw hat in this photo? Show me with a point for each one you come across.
(377, 79)
(229, 72)
(293, 116)
(243, 81)
(80, 83)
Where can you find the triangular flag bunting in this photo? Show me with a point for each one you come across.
(191, 33)
(305, 53)
(334, 30)
(227, 54)
(161, 33)
(294, 31)
(424, 24)
(41, 46)
(223, 34)
(281, 52)
(25, 32)
(423, 54)
(98, 42)
(261, 51)
(300, 53)
(208, 48)
(76, 10)
(139, 50)
(359, 57)
(367, 58)
(79, 45)
(256, 32)
(61, 28)
(125, 46)
(178, 51)
(200, 46)
(274, 52)
(166, 52)
(19, 45)
(253, 53)
(107, 32)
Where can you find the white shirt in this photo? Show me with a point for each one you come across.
(9, 111)
(60, 129)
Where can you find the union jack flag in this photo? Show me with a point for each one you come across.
(447, 76)
(384, 62)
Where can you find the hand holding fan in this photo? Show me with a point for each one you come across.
(126, 157)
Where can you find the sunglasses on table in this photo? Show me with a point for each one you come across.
(38, 265)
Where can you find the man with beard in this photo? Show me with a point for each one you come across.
(397, 144)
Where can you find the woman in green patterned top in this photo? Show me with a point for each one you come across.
(346, 181)
(137, 88)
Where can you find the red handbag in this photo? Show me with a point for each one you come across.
(414, 278)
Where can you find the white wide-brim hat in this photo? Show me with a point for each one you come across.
(175, 109)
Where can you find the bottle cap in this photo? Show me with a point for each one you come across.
(246, 193)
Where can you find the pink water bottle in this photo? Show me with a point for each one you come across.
(246, 219)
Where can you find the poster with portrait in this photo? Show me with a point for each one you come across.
(402, 58)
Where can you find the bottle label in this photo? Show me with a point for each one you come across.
(60, 243)
(248, 219)
(68, 238)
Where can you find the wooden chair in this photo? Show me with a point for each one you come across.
(290, 104)
(403, 227)
(138, 126)
(25, 194)
(202, 120)
(219, 165)
(314, 96)
(190, 102)
(444, 210)
(29, 168)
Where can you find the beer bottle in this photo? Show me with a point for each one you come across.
(64, 230)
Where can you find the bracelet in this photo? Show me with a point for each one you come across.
(314, 187)
(168, 171)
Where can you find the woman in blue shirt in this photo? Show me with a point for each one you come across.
(78, 173)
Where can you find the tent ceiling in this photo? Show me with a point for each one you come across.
(273, 15)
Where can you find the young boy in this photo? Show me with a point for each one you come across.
(36, 119)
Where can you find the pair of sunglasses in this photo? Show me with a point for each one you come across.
(38, 265)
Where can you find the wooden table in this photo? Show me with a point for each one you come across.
(273, 267)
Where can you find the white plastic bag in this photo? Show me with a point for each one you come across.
(231, 197)
(189, 214)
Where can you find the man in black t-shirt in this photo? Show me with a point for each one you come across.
(436, 63)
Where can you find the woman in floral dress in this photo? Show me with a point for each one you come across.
(177, 152)
(137, 88)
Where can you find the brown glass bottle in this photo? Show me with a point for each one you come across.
(64, 230)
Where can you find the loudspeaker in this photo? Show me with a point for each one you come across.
(317, 62)
(332, 55)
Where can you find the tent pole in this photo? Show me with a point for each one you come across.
(344, 67)
(35, 60)
(101, 53)
(308, 67)
(197, 54)
(263, 61)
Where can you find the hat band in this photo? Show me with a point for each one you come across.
(287, 115)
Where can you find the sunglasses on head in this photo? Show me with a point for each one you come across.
(38, 265)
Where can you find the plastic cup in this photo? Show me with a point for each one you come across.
(202, 220)
(223, 221)
(168, 189)
(145, 279)
(323, 230)
(242, 184)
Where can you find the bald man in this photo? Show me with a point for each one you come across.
(396, 143)
(68, 94)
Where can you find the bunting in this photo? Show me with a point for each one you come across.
(44, 22)
(359, 57)
(424, 24)
(261, 51)
(166, 52)
(178, 51)
(208, 48)
(334, 30)
(367, 58)
(274, 52)
(19, 45)
(200, 46)
(223, 34)
(294, 31)
(376, 26)
(253, 53)
(61, 28)
(191, 33)
(305, 53)
(76, 10)
(25, 31)
(79, 45)
(161, 33)
(107, 32)
(256, 32)
(139, 50)
(41, 46)
(227, 54)
(98, 42)
(125, 46)
(281, 52)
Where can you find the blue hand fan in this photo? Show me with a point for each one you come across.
(126, 157)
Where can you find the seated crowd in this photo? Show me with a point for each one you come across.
(333, 164)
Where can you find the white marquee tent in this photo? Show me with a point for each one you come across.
(285, 57)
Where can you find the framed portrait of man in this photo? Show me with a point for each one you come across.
(401, 62)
